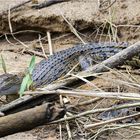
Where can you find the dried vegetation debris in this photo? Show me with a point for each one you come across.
(84, 14)
(81, 14)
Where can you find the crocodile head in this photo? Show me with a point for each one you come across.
(9, 84)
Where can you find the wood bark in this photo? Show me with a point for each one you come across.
(26, 102)
(28, 119)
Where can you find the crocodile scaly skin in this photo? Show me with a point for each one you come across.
(60, 63)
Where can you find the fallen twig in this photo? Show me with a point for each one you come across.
(50, 43)
(128, 105)
(73, 30)
(11, 30)
(91, 101)
(115, 127)
(43, 51)
(114, 95)
(110, 121)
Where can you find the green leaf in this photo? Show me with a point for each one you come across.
(30, 81)
(32, 65)
(23, 86)
(27, 80)
(3, 64)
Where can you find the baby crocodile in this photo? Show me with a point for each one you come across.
(60, 63)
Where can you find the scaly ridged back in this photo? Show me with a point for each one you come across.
(60, 63)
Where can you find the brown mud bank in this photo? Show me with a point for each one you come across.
(123, 16)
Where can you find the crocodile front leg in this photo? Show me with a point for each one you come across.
(85, 62)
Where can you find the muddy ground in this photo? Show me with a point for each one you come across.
(94, 21)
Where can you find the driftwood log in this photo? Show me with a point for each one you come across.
(29, 119)
(111, 62)
(26, 102)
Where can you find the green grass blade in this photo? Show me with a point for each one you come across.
(23, 86)
(30, 81)
(32, 64)
(27, 80)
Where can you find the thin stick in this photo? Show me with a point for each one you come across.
(98, 111)
(68, 128)
(73, 29)
(110, 121)
(50, 43)
(86, 81)
(115, 127)
(9, 21)
(28, 51)
(42, 47)
(114, 95)
(65, 116)
(91, 101)
(60, 132)
(9, 40)
(11, 30)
